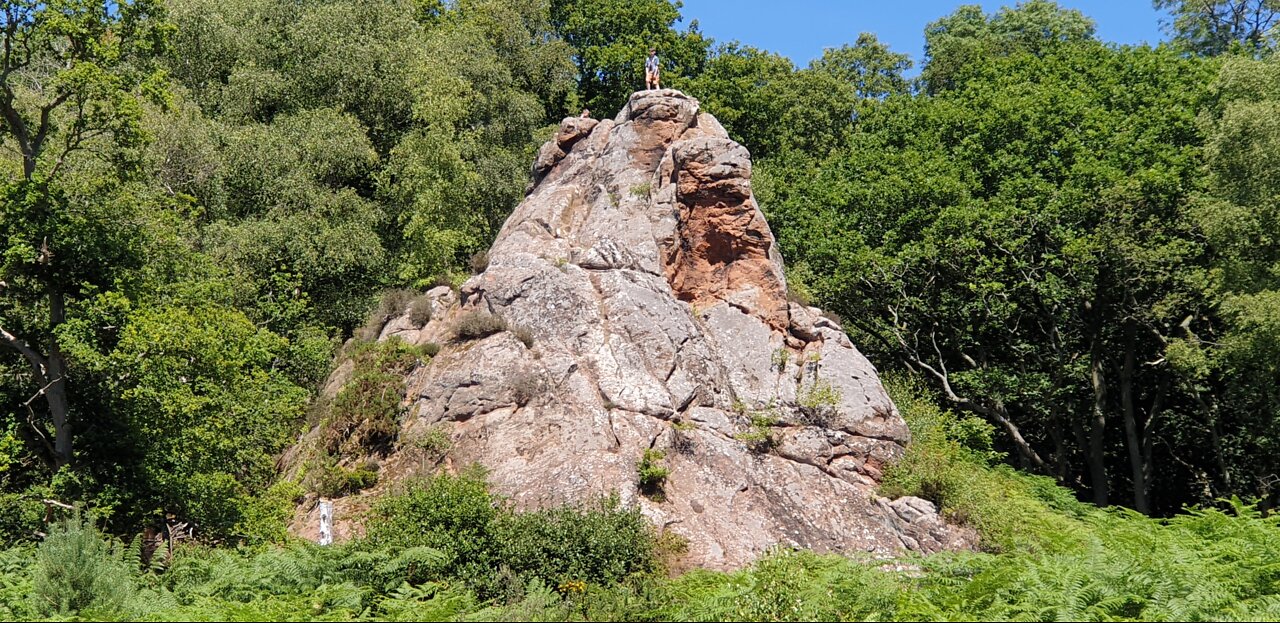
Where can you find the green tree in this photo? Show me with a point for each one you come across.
(1022, 238)
(957, 43)
(871, 67)
(1212, 27)
(612, 39)
(1228, 353)
(71, 78)
(206, 408)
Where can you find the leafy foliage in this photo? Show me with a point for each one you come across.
(652, 471)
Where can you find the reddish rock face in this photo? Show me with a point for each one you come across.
(654, 294)
(723, 245)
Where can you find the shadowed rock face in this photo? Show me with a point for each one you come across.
(654, 292)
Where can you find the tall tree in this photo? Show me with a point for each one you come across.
(611, 40)
(1020, 238)
(957, 43)
(870, 66)
(1212, 27)
(71, 75)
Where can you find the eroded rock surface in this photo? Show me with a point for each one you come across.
(654, 292)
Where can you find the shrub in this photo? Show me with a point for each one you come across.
(641, 190)
(334, 480)
(264, 520)
(950, 463)
(391, 303)
(77, 571)
(420, 310)
(779, 359)
(819, 402)
(526, 385)
(365, 413)
(483, 542)
(759, 433)
(479, 262)
(524, 334)
(451, 514)
(598, 543)
(434, 441)
(430, 349)
(653, 473)
(477, 324)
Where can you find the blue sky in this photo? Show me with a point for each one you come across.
(800, 29)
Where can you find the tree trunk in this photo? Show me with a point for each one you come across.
(1131, 428)
(59, 408)
(1098, 425)
(56, 394)
(1215, 438)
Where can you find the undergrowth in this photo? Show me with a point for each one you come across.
(445, 548)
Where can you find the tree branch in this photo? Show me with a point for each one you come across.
(39, 365)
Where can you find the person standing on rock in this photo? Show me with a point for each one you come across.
(651, 70)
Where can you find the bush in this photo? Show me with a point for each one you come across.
(600, 543)
(526, 385)
(818, 403)
(524, 334)
(265, 519)
(479, 262)
(477, 324)
(365, 414)
(950, 463)
(391, 303)
(334, 480)
(652, 472)
(497, 551)
(759, 435)
(450, 514)
(77, 572)
(420, 311)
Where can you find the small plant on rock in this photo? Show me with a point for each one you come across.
(332, 480)
(478, 324)
(525, 386)
(653, 473)
(480, 262)
(391, 303)
(431, 445)
(433, 442)
(819, 403)
(524, 334)
(780, 358)
(682, 437)
(759, 435)
(641, 190)
(420, 311)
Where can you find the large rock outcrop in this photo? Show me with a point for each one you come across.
(654, 293)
